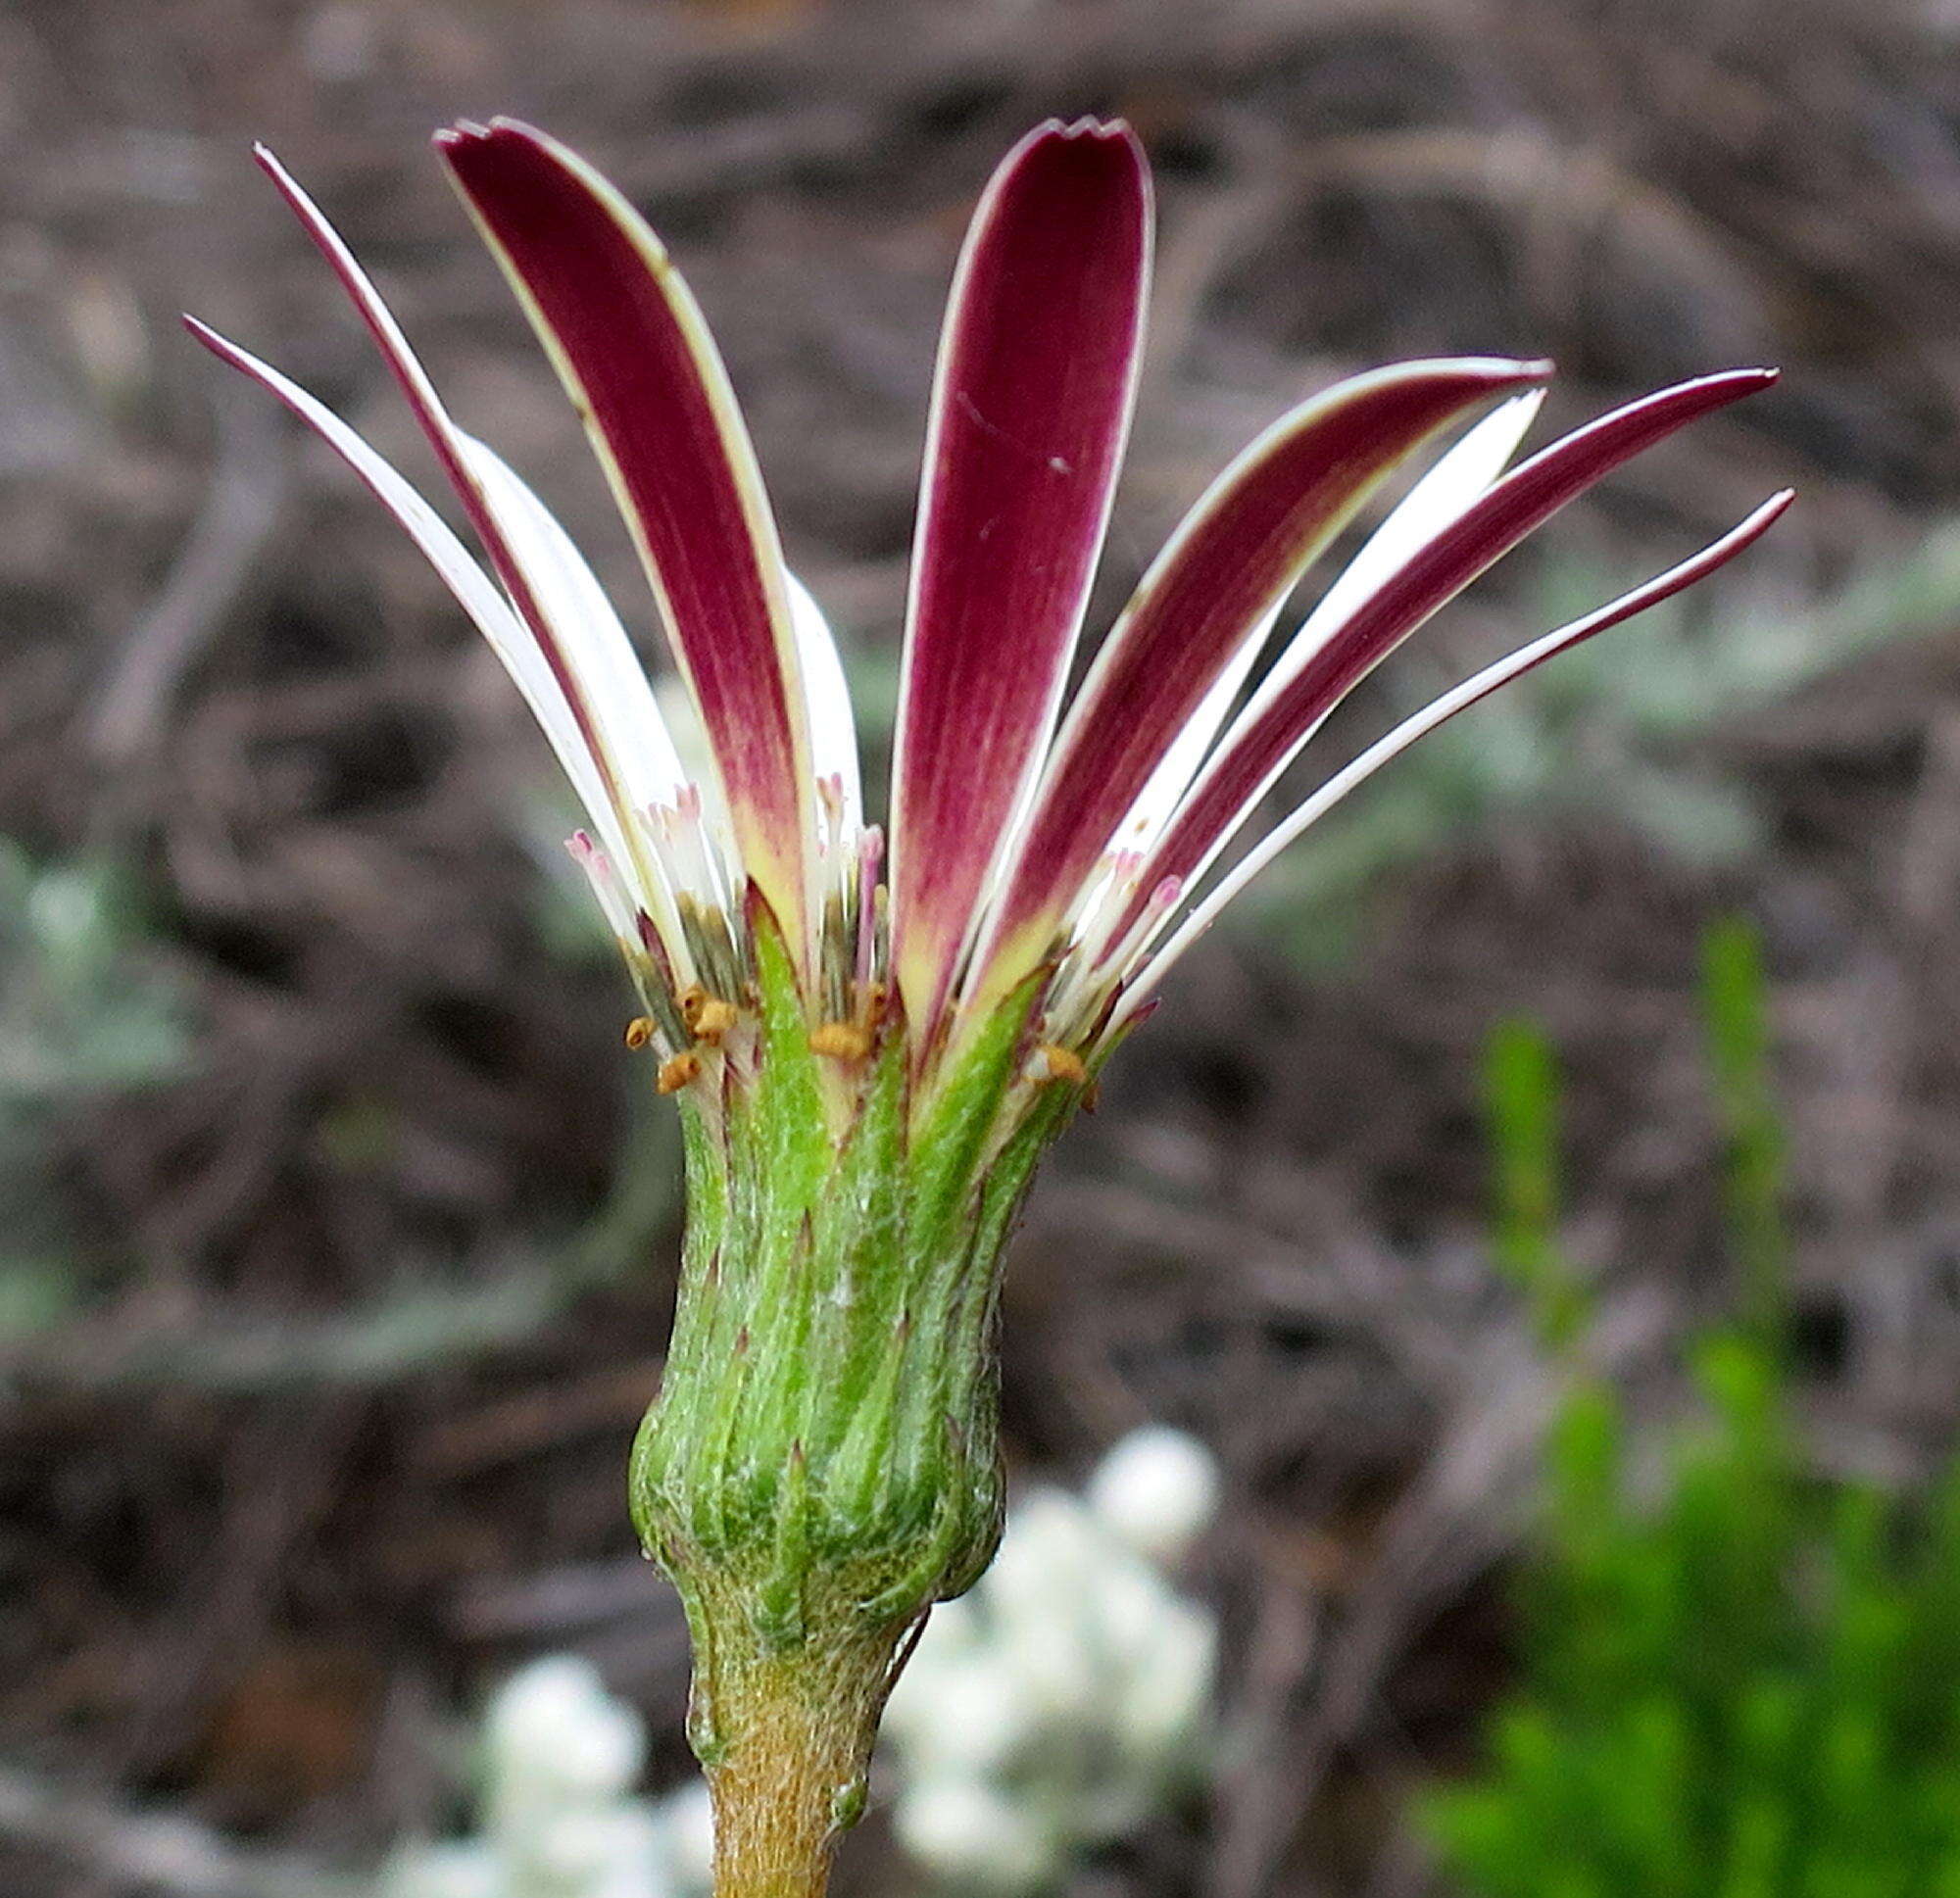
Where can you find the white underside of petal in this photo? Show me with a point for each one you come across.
(494, 618)
(833, 727)
(474, 591)
(588, 630)
(599, 708)
(1419, 725)
(1457, 480)
(1436, 501)
(1431, 506)
(1157, 804)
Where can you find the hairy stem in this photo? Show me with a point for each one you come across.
(795, 1733)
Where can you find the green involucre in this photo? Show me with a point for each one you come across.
(821, 1463)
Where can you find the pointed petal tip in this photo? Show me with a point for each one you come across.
(1663, 586)
(1501, 372)
(1755, 525)
(220, 347)
(1718, 553)
(1742, 381)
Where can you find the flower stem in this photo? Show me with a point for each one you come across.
(795, 1735)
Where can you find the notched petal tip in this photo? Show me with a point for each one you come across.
(1086, 142)
(463, 133)
(1108, 130)
(499, 129)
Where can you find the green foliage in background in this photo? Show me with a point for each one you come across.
(84, 1012)
(1745, 1684)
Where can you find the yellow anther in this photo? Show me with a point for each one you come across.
(712, 1020)
(1062, 1064)
(676, 1073)
(693, 1000)
(846, 1041)
(639, 1032)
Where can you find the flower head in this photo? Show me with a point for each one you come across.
(1073, 850)
(873, 1035)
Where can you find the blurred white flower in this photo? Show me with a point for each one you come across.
(561, 1756)
(1159, 1491)
(688, 1818)
(1167, 1697)
(553, 1733)
(971, 1834)
(1068, 1697)
(1050, 1542)
(972, 1723)
(618, 1850)
(469, 1869)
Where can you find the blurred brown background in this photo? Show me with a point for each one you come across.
(316, 1391)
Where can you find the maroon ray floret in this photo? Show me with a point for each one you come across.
(1459, 699)
(1239, 556)
(451, 449)
(1513, 506)
(1031, 406)
(637, 359)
